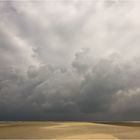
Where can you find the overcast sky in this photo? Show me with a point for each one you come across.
(70, 60)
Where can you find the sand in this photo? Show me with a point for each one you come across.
(69, 130)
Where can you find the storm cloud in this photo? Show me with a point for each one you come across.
(70, 60)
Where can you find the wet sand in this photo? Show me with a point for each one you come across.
(69, 130)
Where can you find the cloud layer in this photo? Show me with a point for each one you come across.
(69, 60)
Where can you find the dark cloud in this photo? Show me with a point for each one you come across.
(83, 66)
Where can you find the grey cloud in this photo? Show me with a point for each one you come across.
(50, 90)
(126, 100)
(70, 61)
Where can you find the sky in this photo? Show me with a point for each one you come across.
(70, 60)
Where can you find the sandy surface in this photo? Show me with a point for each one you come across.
(69, 130)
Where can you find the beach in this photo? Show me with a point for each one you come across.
(69, 130)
